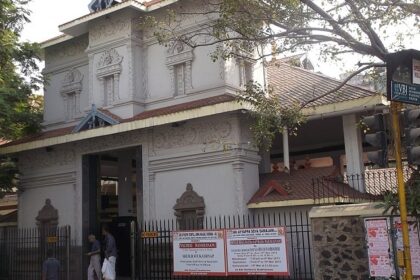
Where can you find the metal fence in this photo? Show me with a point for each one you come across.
(22, 251)
(367, 187)
(154, 258)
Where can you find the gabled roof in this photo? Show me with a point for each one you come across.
(95, 118)
(297, 188)
(295, 85)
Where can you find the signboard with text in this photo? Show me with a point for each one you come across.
(199, 253)
(257, 251)
(403, 76)
(378, 241)
(405, 93)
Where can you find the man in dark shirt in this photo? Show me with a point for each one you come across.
(94, 269)
(50, 267)
(110, 254)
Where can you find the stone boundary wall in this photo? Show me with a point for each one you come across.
(339, 245)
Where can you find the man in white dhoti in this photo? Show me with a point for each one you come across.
(94, 269)
(108, 268)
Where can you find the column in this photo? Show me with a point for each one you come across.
(354, 150)
(265, 163)
(125, 189)
(238, 168)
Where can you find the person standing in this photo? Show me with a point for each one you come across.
(94, 269)
(50, 267)
(108, 268)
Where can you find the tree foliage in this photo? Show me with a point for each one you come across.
(369, 29)
(20, 110)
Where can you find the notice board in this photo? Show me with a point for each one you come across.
(257, 251)
(252, 251)
(199, 253)
(379, 253)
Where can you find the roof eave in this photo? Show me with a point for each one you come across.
(344, 107)
(204, 111)
(79, 26)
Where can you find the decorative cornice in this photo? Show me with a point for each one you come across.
(158, 164)
(43, 181)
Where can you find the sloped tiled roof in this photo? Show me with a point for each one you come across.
(299, 186)
(295, 85)
(141, 116)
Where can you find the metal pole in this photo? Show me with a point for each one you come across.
(68, 244)
(132, 249)
(395, 108)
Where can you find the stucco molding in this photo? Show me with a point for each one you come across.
(71, 88)
(41, 158)
(108, 29)
(179, 62)
(166, 163)
(48, 180)
(66, 51)
(200, 133)
(109, 68)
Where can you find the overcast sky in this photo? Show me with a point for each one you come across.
(48, 14)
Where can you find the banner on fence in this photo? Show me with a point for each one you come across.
(253, 251)
(378, 239)
(199, 253)
(257, 251)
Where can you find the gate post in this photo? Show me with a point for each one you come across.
(68, 244)
(132, 249)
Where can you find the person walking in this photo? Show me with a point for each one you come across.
(50, 267)
(94, 269)
(108, 267)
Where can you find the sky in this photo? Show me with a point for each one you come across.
(47, 15)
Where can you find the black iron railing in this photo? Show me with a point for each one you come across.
(22, 251)
(367, 187)
(154, 260)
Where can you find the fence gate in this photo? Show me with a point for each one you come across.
(22, 251)
(153, 259)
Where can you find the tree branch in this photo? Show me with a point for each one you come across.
(343, 83)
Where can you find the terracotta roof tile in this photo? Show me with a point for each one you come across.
(297, 85)
(299, 186)
(144, 115)
(183, 107)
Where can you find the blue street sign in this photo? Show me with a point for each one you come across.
(405, 93)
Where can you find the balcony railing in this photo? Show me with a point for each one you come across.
(358, 188)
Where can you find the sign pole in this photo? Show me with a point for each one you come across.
(395, 109)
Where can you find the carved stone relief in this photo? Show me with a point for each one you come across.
(109, 29)
(108, 72)
(179, 61)
(40, 158)
(66, 51)
(190, 209)
(71, 88)
(199, 133)
(47, 216)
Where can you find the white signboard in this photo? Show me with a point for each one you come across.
(416, 71)
(199, 253)
(414, 243)
(380, 263)
(257, 251)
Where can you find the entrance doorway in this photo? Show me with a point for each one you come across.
(113, 195)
